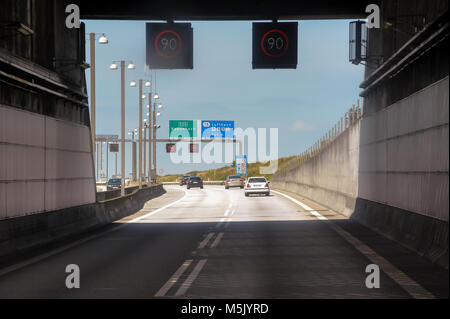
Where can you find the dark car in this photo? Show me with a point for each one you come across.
(184, 180)
(195, 181)
(114, 183)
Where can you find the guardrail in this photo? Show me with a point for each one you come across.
(105, 195)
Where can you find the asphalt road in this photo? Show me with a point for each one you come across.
(217, 243)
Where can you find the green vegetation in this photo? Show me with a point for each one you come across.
(221, 174)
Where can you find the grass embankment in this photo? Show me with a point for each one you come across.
(221, 174)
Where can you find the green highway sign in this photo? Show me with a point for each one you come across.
(183, 128)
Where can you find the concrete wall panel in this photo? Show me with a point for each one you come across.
(18, 127)
(2, 200)
(331, 177)
(67, 164)
(45, 164)
(67, 193)
(22, 162)
(24, 198)
(415, 139)
(66, 136)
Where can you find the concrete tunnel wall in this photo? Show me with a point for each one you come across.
(331, 177)
(45, 164)
(389, 171)
(405, 153)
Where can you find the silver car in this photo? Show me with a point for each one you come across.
(257, 185)
(234, 181)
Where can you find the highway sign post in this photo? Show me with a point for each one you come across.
(275, 45)
(241, 164)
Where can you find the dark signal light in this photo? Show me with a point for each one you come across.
(170, 148)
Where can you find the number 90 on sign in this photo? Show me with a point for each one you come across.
(275, 43)
(168, 44)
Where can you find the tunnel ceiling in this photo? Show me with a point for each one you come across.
(223, 10)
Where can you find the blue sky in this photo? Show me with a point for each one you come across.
(303, 103)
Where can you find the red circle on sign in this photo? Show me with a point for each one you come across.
(179, 41)
(275, 55)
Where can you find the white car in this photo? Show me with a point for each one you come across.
(257, 185)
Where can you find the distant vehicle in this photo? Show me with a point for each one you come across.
(195, 181)
(114, 183)
(184, 180)
(234, 181)
(257, 185)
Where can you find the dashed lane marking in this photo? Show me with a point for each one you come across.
(217, 240)
(190, 279)
(172, 280)
(205, 241)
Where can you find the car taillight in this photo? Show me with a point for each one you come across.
(229, 180)
(248, 185)
(267, 185)
(241, 179)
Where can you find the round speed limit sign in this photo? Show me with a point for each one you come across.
(275, 43)
(168, 44)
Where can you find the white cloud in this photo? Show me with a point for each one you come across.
(302, 126)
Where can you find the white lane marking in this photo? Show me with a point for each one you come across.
(226, 212)
(205, 241)
(232, 212)
(36, 259)
(312, 211)
(217, 240)
(190, 279)
(172, 280)
(159, 209)
(413, 288)
(220, 222)
(408, 284)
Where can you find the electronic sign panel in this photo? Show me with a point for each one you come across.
(169, 46)
(275, 45)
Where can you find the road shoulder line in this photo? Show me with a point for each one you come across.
(413, 288)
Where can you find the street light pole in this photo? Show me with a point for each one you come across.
(133, 155)
(149, 137)
(122, 127)
(107, 153)
(154, 141)
(140, 133)
(92, 44)
(145, 148)
(101, 40)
